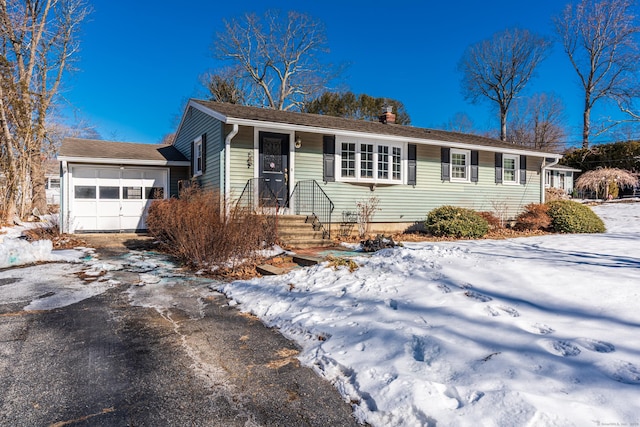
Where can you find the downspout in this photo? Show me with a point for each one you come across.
(227, 167)
(62, 213)
(543, 176)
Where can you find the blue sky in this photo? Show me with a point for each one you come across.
(140, 61)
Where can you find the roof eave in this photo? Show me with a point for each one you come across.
(425, 141)
(130, 162)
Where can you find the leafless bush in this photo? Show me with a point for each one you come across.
(552, 193)
(195, 229)
(366, 211)
(501, 211)
(494, 222)
(534, 218)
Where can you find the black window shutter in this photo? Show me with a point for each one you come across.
(444, 163)
(204, 152)
(474, 165)
(193, 159)
(329, 158)
(412, 157)
(523, 169)
(498, 168)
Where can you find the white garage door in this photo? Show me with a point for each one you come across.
(114, 198)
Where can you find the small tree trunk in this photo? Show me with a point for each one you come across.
(503, 123)
(586, 126)
(38, 192)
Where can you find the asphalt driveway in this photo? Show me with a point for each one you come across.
(116, 359)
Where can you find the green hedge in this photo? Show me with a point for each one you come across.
(451, 221)
(572, 217)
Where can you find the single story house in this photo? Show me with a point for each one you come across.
(108, 186)
(562, 177)
(302, 163)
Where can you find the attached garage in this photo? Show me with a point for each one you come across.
(109, 186)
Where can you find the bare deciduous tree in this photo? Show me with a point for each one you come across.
(538, 122)
(280, 55)
(497, 69)
(227, 85)
(460, 122)
(37, 41)
(599, 37)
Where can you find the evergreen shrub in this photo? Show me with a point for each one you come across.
(568, 216)
(451, 221)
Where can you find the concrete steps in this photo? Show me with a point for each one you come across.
(301, 232)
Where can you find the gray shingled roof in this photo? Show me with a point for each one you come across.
(339, 123)
(98, 149)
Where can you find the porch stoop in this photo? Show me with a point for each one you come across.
(301, 231)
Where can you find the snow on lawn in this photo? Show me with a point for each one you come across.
(15, 251)
(539, 331)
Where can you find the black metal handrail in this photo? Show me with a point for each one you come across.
(257, 194)
(309, 198)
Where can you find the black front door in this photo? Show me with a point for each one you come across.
(274, 168)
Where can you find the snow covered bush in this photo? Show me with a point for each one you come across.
(535, 217)
(452, 221)
(195, 229)
(572, 217)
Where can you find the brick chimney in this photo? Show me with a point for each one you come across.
(387, 115)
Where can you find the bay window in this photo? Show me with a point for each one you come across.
(370, 161)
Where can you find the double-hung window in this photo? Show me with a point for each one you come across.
(372, 162)
(510, 169)
(348, 160)
(197, 157)
(460, 164)
(366, 161)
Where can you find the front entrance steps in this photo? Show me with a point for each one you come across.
(301, 232)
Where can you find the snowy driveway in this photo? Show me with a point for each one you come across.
(135, 341)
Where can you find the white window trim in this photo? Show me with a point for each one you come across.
(467, 162)
(376, 143)
(516, 159)
(197, 147)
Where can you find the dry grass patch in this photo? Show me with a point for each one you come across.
(286, 356)
(337, 262)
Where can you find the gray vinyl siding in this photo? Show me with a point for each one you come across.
(177, 174)
(406, 203)
(195, 124)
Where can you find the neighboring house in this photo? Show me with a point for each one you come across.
(559, 176)
(108, 186)
(309, 163)
(52, 181)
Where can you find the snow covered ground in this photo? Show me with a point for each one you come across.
(539, 331)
